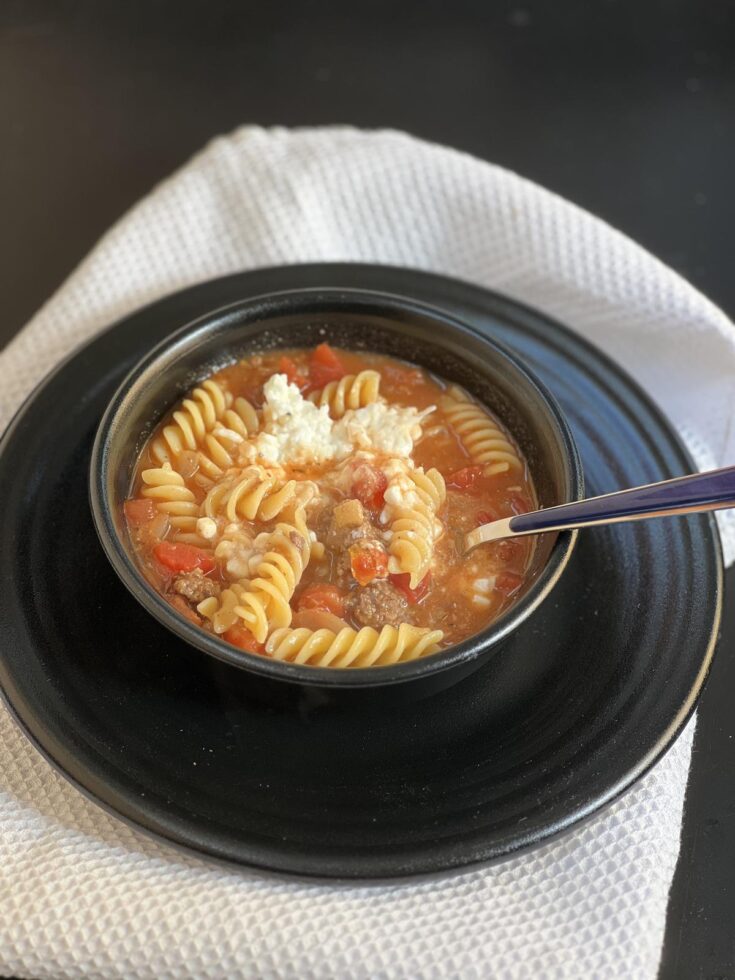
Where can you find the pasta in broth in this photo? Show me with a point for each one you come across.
(304, 506)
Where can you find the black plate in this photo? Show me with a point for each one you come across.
(584, 698)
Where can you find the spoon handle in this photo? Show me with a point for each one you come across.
(713, 490)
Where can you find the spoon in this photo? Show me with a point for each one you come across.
(714, 490)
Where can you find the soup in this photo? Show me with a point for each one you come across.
(305, 505)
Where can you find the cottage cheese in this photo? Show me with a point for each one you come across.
(297, 431)
(403, 496)
(207, 528)
(383, 428)
(400, 494)
(241, 552)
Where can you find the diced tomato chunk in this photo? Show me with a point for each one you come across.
(183, 557)
(287, 366)
(368, 564)
(182, 606)
(519, 504)
(327, 598)
(326, 357)
(324, 366)
(508, 582)
(402, 582)
(485, 517)
(139, 511)
(464, 479)
(242, 638)
(369, 485)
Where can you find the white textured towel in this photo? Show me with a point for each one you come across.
(82, 895)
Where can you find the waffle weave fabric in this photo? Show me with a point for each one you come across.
(83, 895)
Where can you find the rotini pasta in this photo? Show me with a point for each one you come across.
(353, 648)
(413, 525)
(352, 391)
(221, 611)
(254, 494)
(219, 447)
(264, 602)
(320, 537)
(482, 437)
(196, 416)
(172, 497)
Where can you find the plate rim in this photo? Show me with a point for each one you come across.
(166, 833)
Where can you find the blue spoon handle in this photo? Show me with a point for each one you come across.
(683, 495)
(714, 490)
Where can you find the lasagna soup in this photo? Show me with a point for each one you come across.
(305, 505)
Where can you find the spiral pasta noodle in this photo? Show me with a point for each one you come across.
(253, 494)
(172, 497)
(353, 648)
(352, 391)
(219, 448)
(242, 418)
(221, 610)
(193, 419)
(484, 440)
(264, 602)
(413, 525)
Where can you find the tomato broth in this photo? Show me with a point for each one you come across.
(358, 472)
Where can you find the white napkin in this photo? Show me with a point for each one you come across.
(82, 895)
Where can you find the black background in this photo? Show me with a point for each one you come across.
(624, 107)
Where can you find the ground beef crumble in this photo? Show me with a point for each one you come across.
(195, 586)
(377, 605)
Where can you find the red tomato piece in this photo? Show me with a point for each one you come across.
(327, 598)
(326, 357)
(139, 511)
(508, 583)
(242, 638)
(183, 557)
(324, 366)
(464, 479)
(182, 606)
(402, 582)
(485, 517)
(369, 485)
(287, 366)
(368, 564)
(519, 504)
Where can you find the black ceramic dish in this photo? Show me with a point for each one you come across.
(357, 320)
(583, 699)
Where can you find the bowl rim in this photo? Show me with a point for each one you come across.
(308, 300)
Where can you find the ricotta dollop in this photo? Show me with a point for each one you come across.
(297, 431)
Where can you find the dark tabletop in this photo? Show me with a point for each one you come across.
(624, 107)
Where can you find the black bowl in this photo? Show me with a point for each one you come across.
(359, 320)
